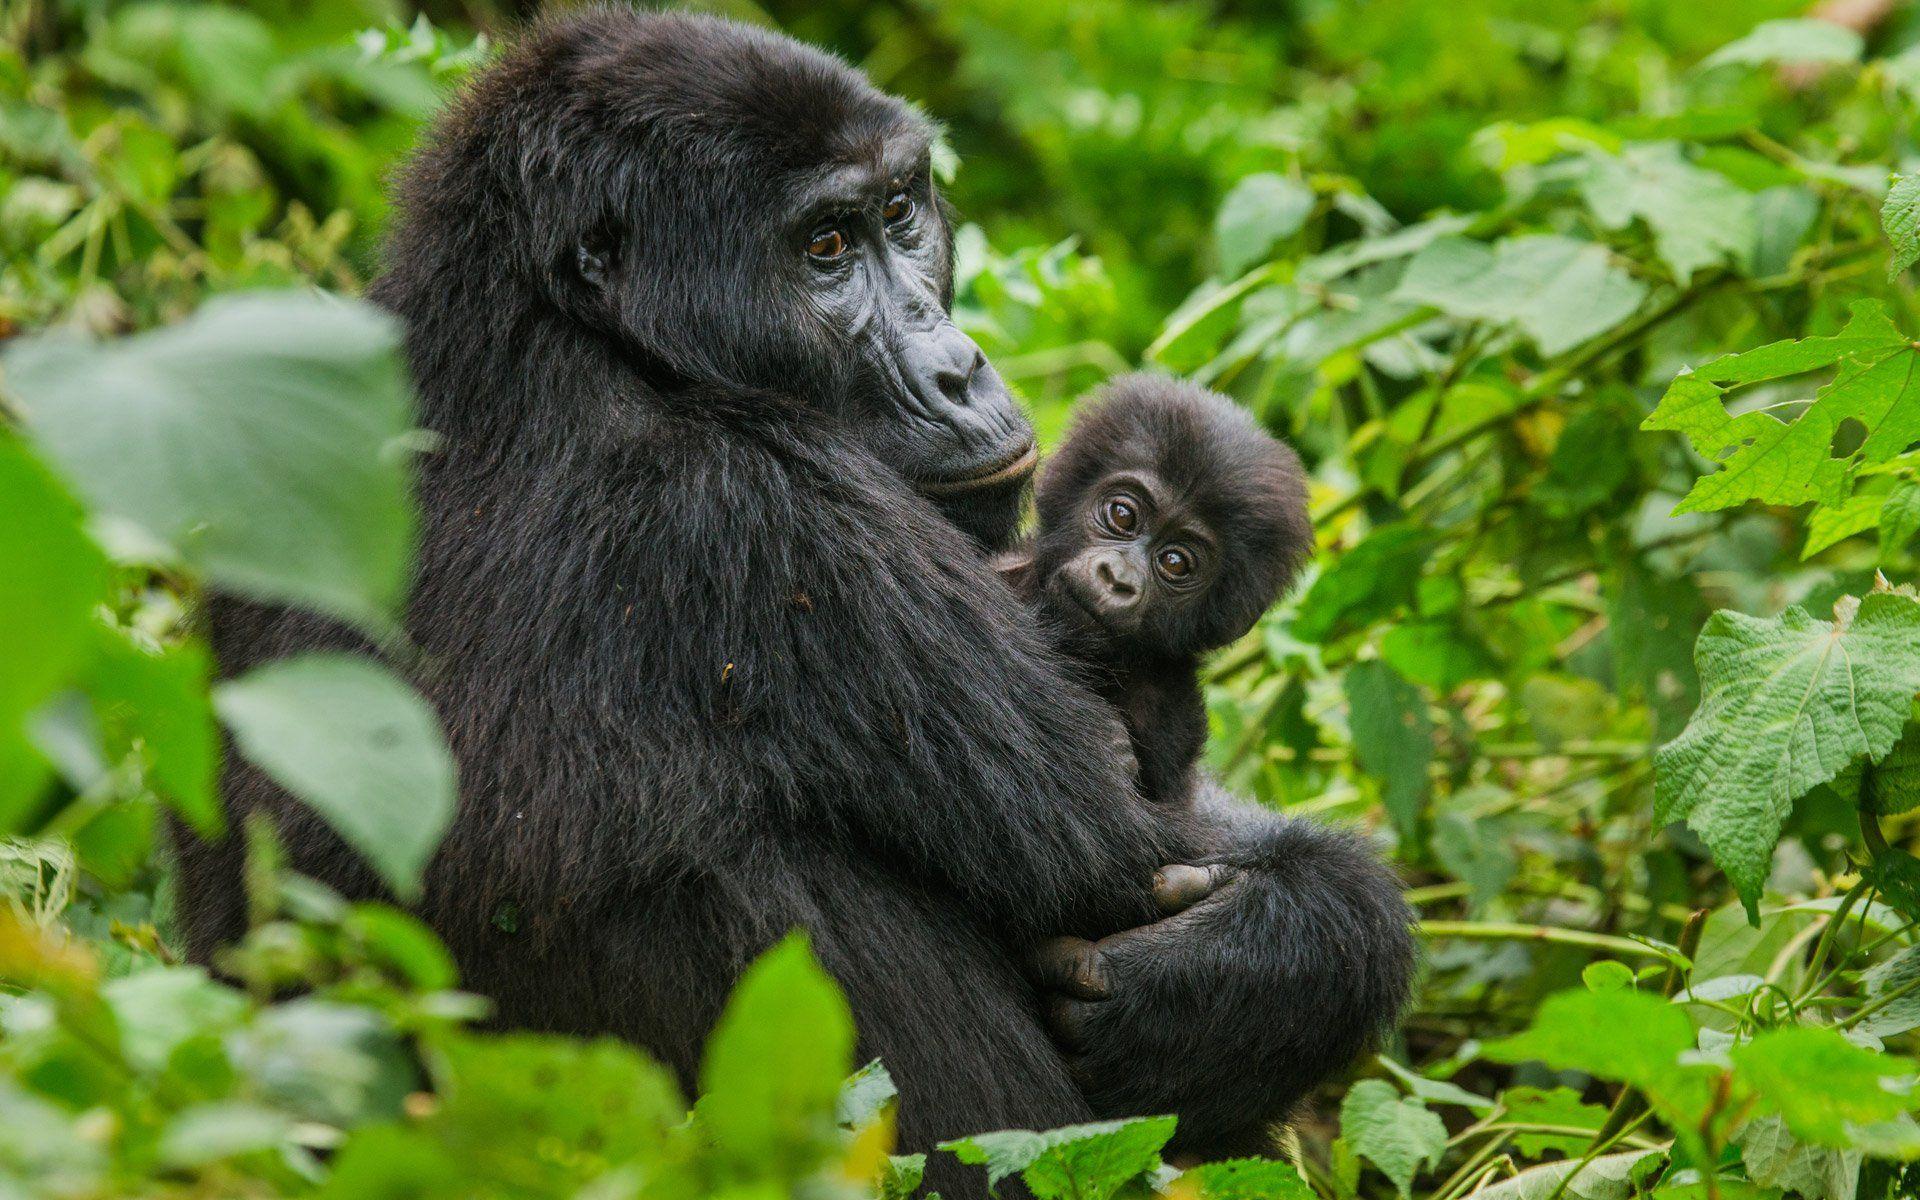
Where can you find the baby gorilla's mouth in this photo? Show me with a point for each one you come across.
(993, 474)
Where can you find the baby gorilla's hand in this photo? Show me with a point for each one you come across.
(1076, 975)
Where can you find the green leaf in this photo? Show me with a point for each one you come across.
(1698, 217)
(901, 1176)
(1558, 291)
(770, 1082)
(351, 739)
(865, 1095)
(1608, 1177)
(1791, 40)
(1899, 518)
(540, 1116)
(1397, 1134)
(51, 579)
(325, 1061)
(1632, 1037)
(1900, 217)
(1367, 582)
(1786, 704)
(1551, 1106)
(260, 440)
(1820, 1083)
(207, 1133)
(1247, 1179)
(1081, 1162)
(1775, 1158)
(1257, 214)
(157, 700)
(1392, 738)
(1875, 385)
(1893, 978)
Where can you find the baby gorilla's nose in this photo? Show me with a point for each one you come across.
(1111, 580)
(1118, 583)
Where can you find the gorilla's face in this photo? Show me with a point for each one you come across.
(750, 213)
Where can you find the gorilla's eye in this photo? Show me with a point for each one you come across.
(899, 208)
(1174, 563)
(1121, 516)
(828, 245)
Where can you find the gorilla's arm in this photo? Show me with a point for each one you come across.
(1294, 956)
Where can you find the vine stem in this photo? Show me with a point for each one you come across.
(1505, 931)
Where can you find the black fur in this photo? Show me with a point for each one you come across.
(712, 669)
(1199, 478)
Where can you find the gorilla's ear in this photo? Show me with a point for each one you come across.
(593, 261)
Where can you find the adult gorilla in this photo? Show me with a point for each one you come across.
(712, 665)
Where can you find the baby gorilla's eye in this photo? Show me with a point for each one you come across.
(899, 208)
(1174, 563)
(1121, 516)
(828, 245)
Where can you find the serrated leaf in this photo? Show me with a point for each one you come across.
(770, 1081)
(1628, 1036)
(1698, 217)
(1900, 217)
(1793, 39)
(259, 440)
(1261, 210)
(1899, 518)
(1775, 1158)
(1820, 1083)
(1608, 1177)
(865, 1095)
(1392, 738)
(1397, 1134)
(1893, 978)
(1893, 786)
(1786, 704)
(1792, 462)
(1558, 291)
(356, 743)
(1085, 1162)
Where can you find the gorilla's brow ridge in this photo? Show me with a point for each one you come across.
(849, 182)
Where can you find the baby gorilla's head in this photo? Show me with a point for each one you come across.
(1169, 520)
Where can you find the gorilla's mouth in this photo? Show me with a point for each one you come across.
(995, 473)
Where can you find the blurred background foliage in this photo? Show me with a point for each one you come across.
(1479, 259)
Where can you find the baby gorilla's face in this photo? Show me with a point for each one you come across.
(1141, 559)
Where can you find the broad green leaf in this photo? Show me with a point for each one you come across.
(1397, 1134)
(207, 1133)
(1820, 1083)
(1896, 982)
(1786, 703)
(1899, 518)
(770, 1082)
(51, 576)
(1698, 217)
(160, 1008)
(324, 1061)
(1900, 217)
(1764, 458)
(387, 1162)
(1802, 39)
(540, 1116)
(1558, 291)
(1392, 738)
(262, 440)
(1435, 1091)
(1775, 1158)
(1257, 214)
(1077, 1162)
(900, 1178)
(157, 699)
(1246, 1179)
(1476, 852)
(348, 737)
(1632, 1037)
(1365, 583)
(1608, 1177)
(1551, 1106)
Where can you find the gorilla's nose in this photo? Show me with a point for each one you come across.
(956, 362)
(1117, 580)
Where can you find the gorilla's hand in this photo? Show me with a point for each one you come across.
(1273, 968)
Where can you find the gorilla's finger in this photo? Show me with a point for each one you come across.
(1071, 965)
(1068, 1020)
(1180, 887)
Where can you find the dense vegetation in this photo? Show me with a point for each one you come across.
(1591, 322)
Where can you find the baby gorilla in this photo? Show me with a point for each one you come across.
(1168, 522)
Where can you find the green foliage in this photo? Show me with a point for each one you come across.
(1478, 260)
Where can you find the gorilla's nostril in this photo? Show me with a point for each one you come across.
(1120, 589)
